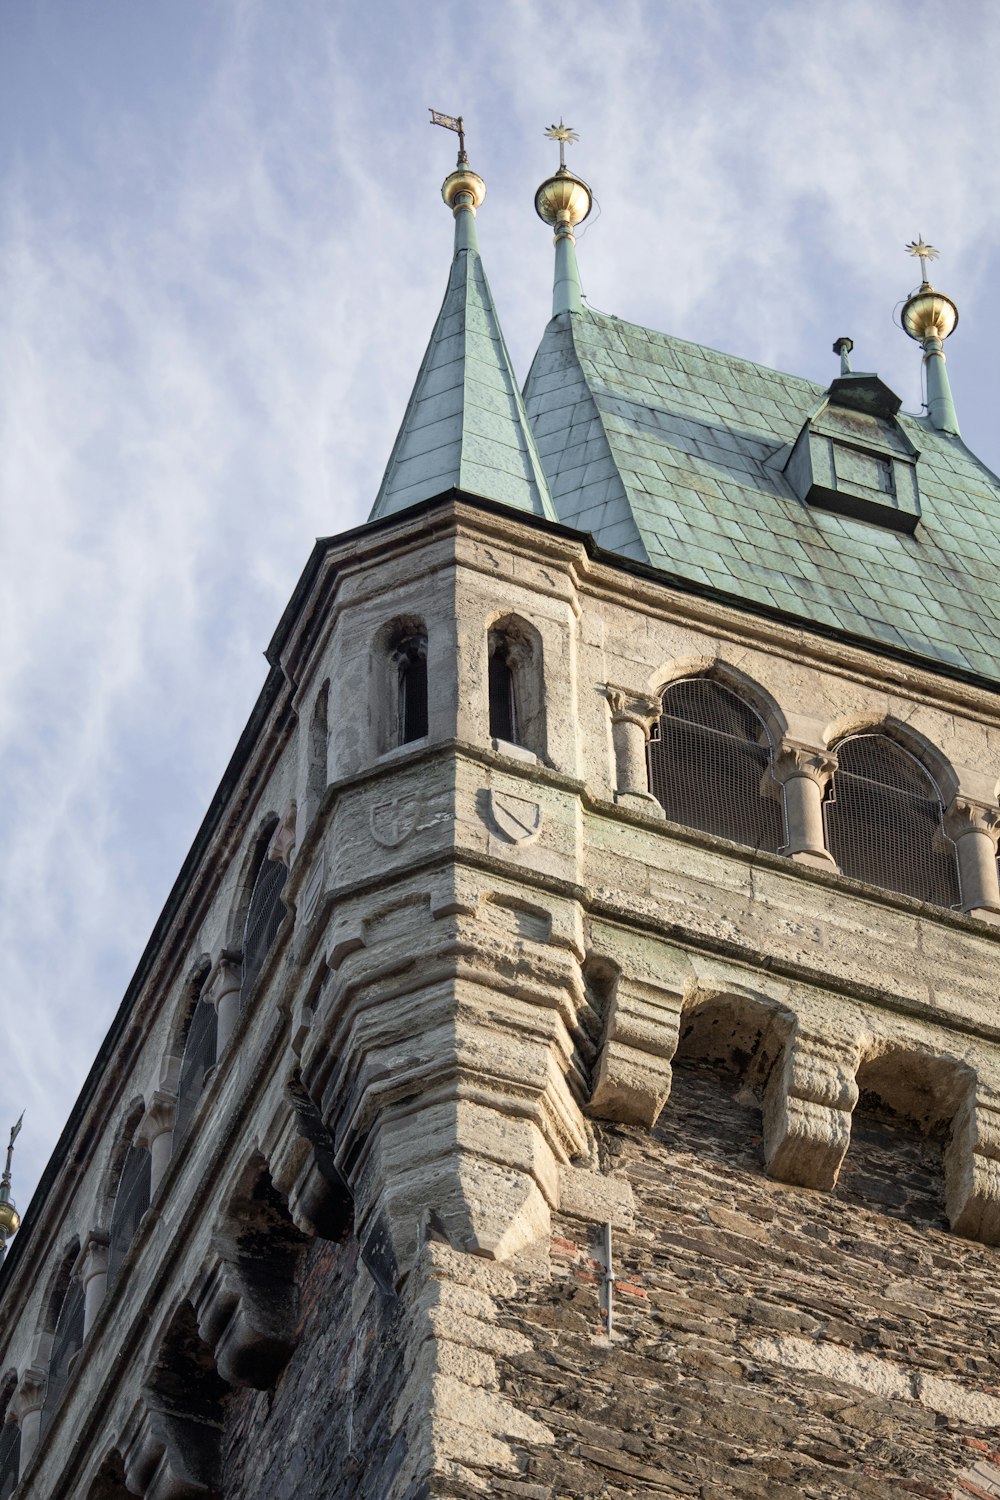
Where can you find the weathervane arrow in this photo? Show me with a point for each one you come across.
(455, 123)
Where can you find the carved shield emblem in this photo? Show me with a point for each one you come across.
(517, 818)
(394, 820)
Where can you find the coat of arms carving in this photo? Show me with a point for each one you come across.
(517, 818)
(395, 818)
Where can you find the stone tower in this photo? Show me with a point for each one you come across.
(567, 1064)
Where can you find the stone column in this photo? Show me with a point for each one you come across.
(805, 771)
(155, 1132)
(92, 1269)
(26, 1405)
(222, 989)
(975, 827)
(632, 718)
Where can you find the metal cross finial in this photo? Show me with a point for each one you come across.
(15, 1131)
(565, 136)
(456, 123)
(924, 252)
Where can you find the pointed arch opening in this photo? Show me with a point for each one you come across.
(515, 684)
(66, 1319)
(131, 1202)
(884, 820)
(197, 1061)
(710, 764)
(265, 916)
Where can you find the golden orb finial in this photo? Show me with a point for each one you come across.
(10, 1219)
(927, 313)
(462, 188)
(564, 200)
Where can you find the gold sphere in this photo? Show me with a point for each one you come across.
(10, 1220)
(929, 314)
(463, 180)
(563, 199)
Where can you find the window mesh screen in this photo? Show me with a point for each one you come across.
(131, 1202)
(10, 1458)
(266, 914)
(66, 1345)
(884, 822)
(198, 1060)
(710, 765)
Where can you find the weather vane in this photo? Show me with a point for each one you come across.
(565, 136)
(15, 1131)
(924, 252)
(456, 123)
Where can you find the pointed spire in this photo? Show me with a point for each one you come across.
(10, 1219)
(465, 426)
(929, 317)
(564, 201)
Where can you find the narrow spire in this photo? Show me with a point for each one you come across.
(564, 201)
(929, 317)
(10, 1219)
(465, 426)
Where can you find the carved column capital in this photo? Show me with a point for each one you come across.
(967, 815)
(282, 845)
(628, 707)
(225, 975)
(158, 1119)
(30, 1393)
(796, 758)
(93, 1258)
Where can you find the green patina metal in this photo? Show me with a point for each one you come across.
(567, 295)
(465, 424)
(675, 455)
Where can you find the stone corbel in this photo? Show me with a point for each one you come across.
(155, 1133)
(804, 771)
(300, 1157)
(282, 845)
(632, 718)
(632, 1077)
(972, 1167)
(808, 1103)
(975, 828)
(247, 1319)
(168, 1456)
(223, 990)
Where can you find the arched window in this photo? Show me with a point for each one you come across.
(67, 1341)
(503, 705)
(10, 1458)
(515, 684)
(710, 765)
(885, 821)
(410, 656)
(265, 915)
(131, 1203)
(196, 1064)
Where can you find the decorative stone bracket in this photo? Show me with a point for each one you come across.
(632, 718)
(170, 1457)
(972, 1167)
(633, 1076)
(282, 845)
(804, 771)
(246, 1316)
(975, 828)
(808, 1102)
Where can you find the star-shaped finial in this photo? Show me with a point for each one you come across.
(564, 135)
(923, 251)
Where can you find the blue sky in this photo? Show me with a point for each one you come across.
(222, 249)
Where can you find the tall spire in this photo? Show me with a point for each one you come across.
(10, 1219)
(564, 201)
(465, 426)
(929, 317)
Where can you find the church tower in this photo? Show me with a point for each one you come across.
(567, 1063)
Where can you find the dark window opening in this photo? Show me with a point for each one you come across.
(196, 1064)
(67, 1341)
(266, 913)
(503, 704)
(710, 765)
(10, 1458)
(131, 1203)
(411, 658)
(885, 822)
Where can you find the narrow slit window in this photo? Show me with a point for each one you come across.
(885, 821)
(411, 657)
(710, 765)
(503, 703)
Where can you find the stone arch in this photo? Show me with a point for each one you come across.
(740, 1031)
(253, 856)
(515, 677)
(191, 989)
(121, 1141)
(924, 750)
(246, 1296)
(58, 1283)
(718, 669)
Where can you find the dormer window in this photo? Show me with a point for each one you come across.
(854, 459)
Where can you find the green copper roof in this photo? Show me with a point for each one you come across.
(465, 424)
(674, 455)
